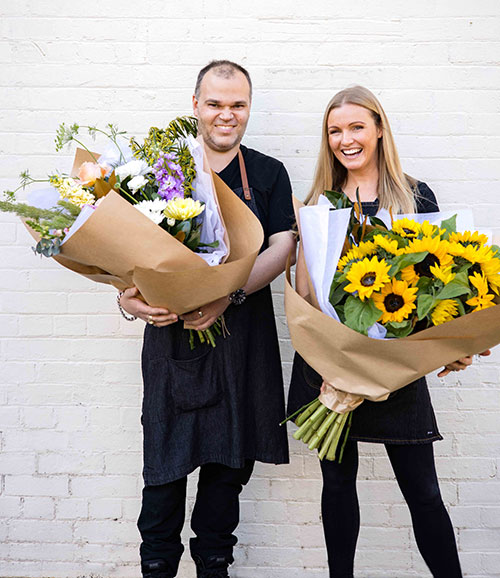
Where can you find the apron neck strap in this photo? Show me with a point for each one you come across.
(244, 178)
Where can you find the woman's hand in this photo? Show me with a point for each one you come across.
(209, 315)
(157, 316)
(460, 364)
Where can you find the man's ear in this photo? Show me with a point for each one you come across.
(195, 106)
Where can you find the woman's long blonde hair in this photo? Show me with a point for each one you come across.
(396, 190)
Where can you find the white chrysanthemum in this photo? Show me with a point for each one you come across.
(152, 209)
(137, 183)
(132, 169)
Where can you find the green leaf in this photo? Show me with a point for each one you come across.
(495, 249)
(399, 329)
(402, 261)
(360, 315)
(454, 288)
(337, 292)
(450, 225)
(338, 199)
(424, 304)
(378, 222)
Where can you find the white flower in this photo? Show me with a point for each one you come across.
(137, 183)
(152, 209)
(132, 169)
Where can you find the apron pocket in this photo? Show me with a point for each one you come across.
(195, 383)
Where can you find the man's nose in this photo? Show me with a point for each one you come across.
(226, 114)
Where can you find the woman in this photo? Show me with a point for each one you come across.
(358, 153)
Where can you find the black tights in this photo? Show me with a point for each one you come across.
(415, 472)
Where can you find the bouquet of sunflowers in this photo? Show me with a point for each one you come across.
(392, 282)
(148, 214)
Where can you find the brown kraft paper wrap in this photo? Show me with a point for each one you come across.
(120, 246)
(367, 368)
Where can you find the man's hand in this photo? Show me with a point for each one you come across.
(460, 364)
(210, 313)
(132, 304)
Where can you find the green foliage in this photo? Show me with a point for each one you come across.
(65, 134)
(360, 315)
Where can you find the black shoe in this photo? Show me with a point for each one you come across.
(156, 569)
(212, 567)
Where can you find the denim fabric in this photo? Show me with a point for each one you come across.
(214, 519)
(213, 405)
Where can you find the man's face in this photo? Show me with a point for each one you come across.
(222, 110)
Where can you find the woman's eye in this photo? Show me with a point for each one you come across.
(358, 127)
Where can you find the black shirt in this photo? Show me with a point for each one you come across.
(268, 179)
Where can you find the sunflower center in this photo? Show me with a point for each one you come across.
(409, 232)
(424, 267)
(368, 279)
(393, 302)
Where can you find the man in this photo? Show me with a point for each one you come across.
(215, 408)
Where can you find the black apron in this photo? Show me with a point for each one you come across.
(214, 405)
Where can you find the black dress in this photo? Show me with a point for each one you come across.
(224, 404)
(407, 416)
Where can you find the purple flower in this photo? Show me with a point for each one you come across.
(169, 177)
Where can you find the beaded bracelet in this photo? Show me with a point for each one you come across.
(126, 315)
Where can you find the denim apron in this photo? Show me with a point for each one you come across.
(214, 405)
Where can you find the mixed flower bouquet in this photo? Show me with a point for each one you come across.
(150, 215)
(393, 282)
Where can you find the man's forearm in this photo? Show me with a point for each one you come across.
(271, 262)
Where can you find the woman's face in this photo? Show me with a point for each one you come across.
(353, 137)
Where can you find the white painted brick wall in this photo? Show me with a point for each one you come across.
(70, 392)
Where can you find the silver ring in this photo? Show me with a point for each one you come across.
(200, 313)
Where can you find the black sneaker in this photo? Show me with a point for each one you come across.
(212, 567)
(155, 569)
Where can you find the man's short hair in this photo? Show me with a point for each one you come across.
(224, 68)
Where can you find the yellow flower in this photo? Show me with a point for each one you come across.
(438, 254)
(429, 230)
(396, 301)
(183, 209)
(388, 245)
(472, 253)
(71, 191)
(353, 254)
(366, 248)
(405, 227)
(444, 274)
(444, 311)
(367, 276)
(491, 270)
(483, 300)
(409, 275)
(467, 237)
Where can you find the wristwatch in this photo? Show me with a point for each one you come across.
(237, 297)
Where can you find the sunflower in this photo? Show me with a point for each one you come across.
(483, 300)
(354, 254)
(491, 270)
(396, 301)
(367, 248)
(472, 253)
(388, 245)
(405, 227)
(444, 311)
(438, 254)
(409, 275)
(367, 276)
(468, 238)
(428, 230)
(444, 274)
